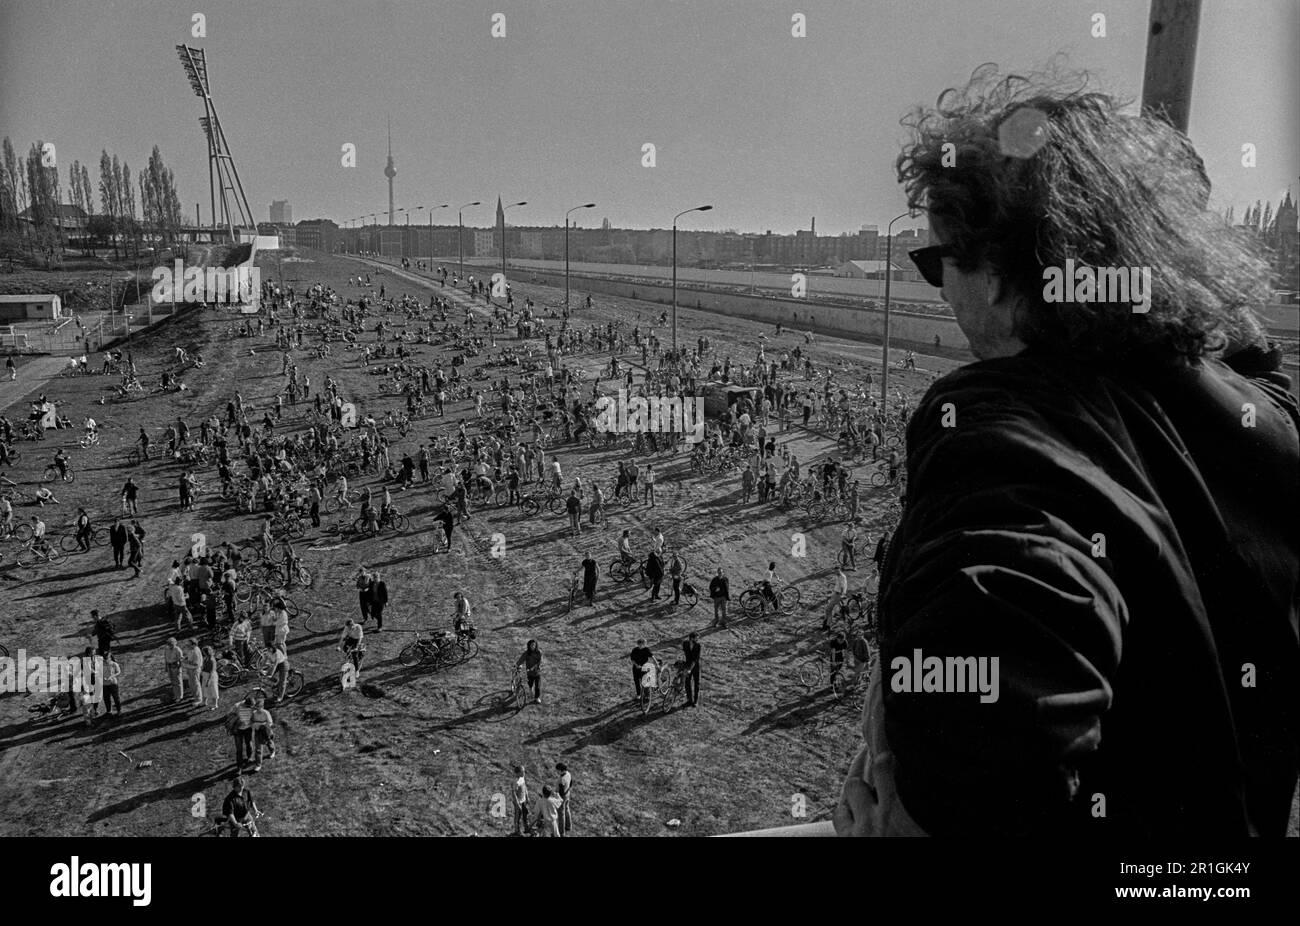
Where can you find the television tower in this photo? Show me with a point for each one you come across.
(390, 171)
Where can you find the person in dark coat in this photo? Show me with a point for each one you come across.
(654, 570)
(1103, 550)
(117, 538)
(590, 571)
(378, 599)
(691, 655)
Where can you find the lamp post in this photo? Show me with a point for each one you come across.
(503, 234)
(566, 249)
(675, 218)
(884, 354)
(460, 223)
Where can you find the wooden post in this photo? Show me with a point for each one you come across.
(1171, 60)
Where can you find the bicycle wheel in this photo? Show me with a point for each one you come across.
(399, 523)
(68, 543)
(100, 536)
(751, 601)
(520, 691)
(276, 556)
(304, 577)
(555, 504)
(250, 556)
(22, 533)
(529, 506)
(690, 596)
(810, 674)
(838, 685)
(617, 570)
(332, 504)
(56, 556)
(787, 599)
(852, 608)
(228, 672)
(411, 655)
(879, 478)
(468, 649)
(669, 689)
(647, 698)
(69, 476)
(133, 458)
(51, 473)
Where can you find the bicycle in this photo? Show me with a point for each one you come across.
(225, 826)
(672, 685)
(518, 691)
(53, 474)
(648, 691)
(231, 669)
(626, 570)
(32, 553)
(784, 599)
(20, 532)
(90, 440)
(811, 673)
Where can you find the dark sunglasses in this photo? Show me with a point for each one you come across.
(929, 261)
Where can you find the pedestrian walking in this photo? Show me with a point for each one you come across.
(208, 679)
(590, 573)
(691, 669)
(720, 592)
(193, 665)
(531, 660)
(519, 802)
(365, 597)
(654, 570)
(239, 723)
(378, 599)
(112, 680)
(565, 791)
(117, 539)
(639, 656)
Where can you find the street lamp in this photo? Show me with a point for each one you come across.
(503, 234)
(460, 222)
(675, 218)
(884, 354)
(566, 250)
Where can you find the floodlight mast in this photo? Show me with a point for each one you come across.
(222, 173)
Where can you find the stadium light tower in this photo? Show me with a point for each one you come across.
(223, 176)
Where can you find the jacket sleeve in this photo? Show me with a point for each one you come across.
(994, 560)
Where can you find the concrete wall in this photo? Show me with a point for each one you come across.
(841, 321)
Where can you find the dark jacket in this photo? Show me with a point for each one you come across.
(379, 592)
(1125, 546)
(117, 536)
(720, 588)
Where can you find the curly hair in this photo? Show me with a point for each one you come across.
(1076, 176)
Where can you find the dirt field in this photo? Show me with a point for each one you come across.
(416, 751)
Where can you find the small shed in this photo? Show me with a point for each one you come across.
(28, 307)
(718, 397)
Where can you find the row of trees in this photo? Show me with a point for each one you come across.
(32, 186)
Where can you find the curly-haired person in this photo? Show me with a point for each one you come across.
(1104, 502)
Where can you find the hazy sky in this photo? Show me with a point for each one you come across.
(770, 129)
